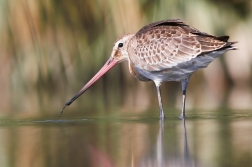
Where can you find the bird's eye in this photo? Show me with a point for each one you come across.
(120, 45)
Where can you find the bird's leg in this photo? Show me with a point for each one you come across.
(184, 84)
(160, 100)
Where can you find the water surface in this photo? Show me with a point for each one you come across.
(219, 139)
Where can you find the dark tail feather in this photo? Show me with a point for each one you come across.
(230, 45)
(223, 38)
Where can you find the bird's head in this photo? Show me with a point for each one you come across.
(120, 49)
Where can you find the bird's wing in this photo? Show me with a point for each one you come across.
(165, 44)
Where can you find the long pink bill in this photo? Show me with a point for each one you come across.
(107, 66)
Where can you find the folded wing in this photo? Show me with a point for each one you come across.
(165, 44)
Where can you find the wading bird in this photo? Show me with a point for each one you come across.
(168, 50)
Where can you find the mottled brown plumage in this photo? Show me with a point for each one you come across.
(168, 50)
(168, 43)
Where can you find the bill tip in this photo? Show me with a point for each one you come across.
(62, 110)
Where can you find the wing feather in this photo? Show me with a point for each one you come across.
(165, 44)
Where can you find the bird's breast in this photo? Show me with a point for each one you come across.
(136, 73)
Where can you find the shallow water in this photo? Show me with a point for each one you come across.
(206, 139)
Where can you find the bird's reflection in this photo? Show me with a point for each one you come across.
(163, 157)
(168, 147)
(160, 150)
(187, 160)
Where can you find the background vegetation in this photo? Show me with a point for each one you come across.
(49, 49)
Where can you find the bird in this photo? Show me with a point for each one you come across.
(167, 50)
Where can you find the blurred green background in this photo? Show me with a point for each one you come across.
(50, 48)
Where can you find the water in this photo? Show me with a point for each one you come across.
(220, 139)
